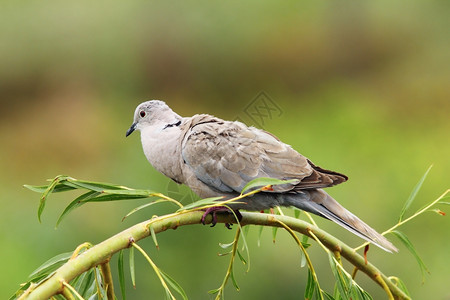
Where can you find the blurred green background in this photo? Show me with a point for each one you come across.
(363, 89)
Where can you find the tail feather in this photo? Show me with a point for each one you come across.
(322, 204)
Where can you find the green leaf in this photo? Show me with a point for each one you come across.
(121, 274)
(241, 257)
(83, 282)
(274, 234)
(51, 265)
(212, 292)
(305, 243)
(95, 186)
(113, 197)
(132, 270)
(265, 181)
(76, 203)
(199, 203)
(413, 194)
(87, 282)
(131, 192)
(236, 286)
(143, 206)
(23, 288)
(329, 297)
(47, 191)
(42, 188)
(341, 282)
(401, 285)
(310, 286)
(153, 234)
(100, 288)
(297, 213)
(259, 234)
(177, 287)
(404, 239)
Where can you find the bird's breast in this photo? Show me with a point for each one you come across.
(163, 152)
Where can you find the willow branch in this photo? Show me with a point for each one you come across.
(108, 280)
(101, 253)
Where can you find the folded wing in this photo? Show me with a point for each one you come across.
(227, 155)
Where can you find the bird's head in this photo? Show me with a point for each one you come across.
(153, 112)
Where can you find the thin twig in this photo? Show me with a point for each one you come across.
(230, 265)
(417, 213)
(68, 290)
(107, 279)
(305, 253)
(155, 268)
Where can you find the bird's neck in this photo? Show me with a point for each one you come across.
(162, 147)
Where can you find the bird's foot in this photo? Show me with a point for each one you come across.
(214, 210)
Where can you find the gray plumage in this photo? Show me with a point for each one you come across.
(218, 158)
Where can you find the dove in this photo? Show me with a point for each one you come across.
(214, 157)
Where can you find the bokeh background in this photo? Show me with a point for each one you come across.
(363, 89)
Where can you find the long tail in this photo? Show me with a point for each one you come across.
(322, 204)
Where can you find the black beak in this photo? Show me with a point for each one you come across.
(130, 131)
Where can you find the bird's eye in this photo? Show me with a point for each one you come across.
(142, 113)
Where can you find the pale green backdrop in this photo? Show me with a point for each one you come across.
(360, 88)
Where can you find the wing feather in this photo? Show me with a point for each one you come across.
(227, 155)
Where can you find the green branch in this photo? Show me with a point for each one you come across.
(101, 253)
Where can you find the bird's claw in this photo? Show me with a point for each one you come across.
(213, 211)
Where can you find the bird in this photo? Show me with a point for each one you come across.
(215, 157)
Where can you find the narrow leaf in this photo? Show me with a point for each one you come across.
(101, 289)
(438, 211)
(259, 234)
(113, 197)
(23, 287)
(199, 203)
(75, 283)
(132, 270)
(241, 257)
(76, 203)
(302, 259)
(233, 280)
(143, 206)
(88, 281)
(310, 286)
(153, 234)
(443, 200)
(265, 181)
(401, 285)
(94, 297)
(413, 194)
(95, 186)
(175, 285)
(44, 196)
(404, 239)
(305, 243)
(341, 283)
(121, 274)
(51, 265)
(329, 297)
(225, 246)
(42, 188)
(131, 192)
(274, 234)
(212, 292)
